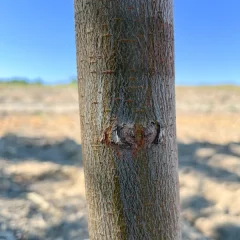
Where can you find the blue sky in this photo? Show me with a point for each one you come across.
(37, 40)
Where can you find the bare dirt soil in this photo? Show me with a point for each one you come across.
(42, 195)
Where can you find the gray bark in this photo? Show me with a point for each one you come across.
(125, 63)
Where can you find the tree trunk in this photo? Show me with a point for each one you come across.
(125, 63)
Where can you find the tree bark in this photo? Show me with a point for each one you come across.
(125, 63)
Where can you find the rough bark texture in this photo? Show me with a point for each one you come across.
(125, 67)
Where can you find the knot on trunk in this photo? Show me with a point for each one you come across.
(132, 135)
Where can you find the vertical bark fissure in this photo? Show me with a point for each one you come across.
(126, 75)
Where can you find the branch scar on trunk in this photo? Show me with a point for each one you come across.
(132, 136)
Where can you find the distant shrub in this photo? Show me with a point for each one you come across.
(21, 81)
(14, 81)
(37, 81)
(73, 81)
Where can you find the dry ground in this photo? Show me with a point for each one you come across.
(42, 192)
